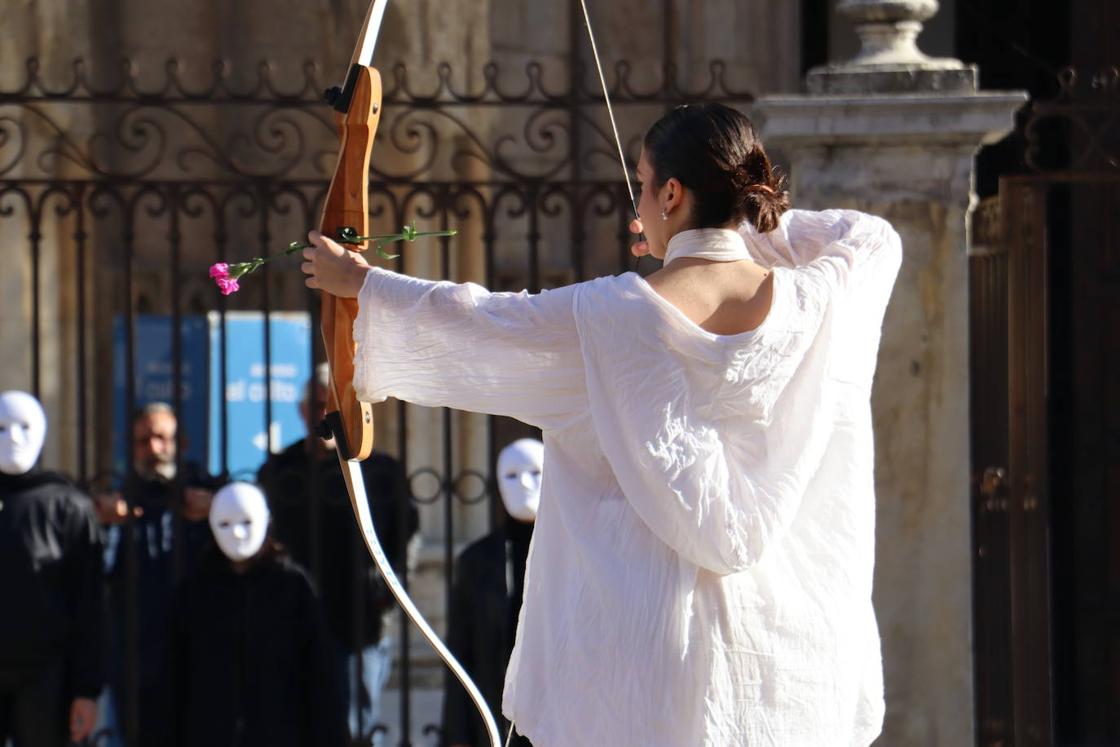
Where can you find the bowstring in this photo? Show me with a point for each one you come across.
(610, 109)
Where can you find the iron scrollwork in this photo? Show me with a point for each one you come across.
(1078, 129)
(178, 129)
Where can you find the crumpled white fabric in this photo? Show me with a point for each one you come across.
(702, 561)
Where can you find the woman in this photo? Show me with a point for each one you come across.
(702, 561)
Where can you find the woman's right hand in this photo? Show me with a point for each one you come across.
(641, 248)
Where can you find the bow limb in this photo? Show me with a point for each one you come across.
(349, 419)
(352, 471)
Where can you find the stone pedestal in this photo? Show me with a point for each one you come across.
(898, 139)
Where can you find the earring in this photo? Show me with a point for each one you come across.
(664, 215)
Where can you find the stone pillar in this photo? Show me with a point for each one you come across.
(894, 133)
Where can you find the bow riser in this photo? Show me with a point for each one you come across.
(347, 204)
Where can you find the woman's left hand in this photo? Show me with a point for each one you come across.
(330, 267)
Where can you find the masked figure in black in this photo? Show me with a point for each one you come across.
(250, 661)
(50, 587)
(486, 596)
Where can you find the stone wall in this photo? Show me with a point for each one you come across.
(44, 29)
(905, 156)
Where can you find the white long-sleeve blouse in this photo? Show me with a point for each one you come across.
(701, 567)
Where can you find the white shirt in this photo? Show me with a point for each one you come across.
(701, 567)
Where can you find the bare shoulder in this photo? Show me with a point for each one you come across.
(722, 298)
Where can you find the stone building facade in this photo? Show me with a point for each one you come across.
(890, 131)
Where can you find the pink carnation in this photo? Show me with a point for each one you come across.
(226, 282)
(227, 285)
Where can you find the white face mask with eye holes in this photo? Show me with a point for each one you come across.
(239, 520)
(23, 427)
(519, 478)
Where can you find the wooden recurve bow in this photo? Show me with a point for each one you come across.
(357, 107)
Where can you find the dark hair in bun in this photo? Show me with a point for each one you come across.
(714, 152)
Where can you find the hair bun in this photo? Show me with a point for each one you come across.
(762, 197)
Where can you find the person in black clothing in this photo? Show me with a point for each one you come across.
(155, 532)
(486, 595)
(50, 556)
(312, 516)
(250, 661)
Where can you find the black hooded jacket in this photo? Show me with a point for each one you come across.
(486, 596)
(311, 515)
(146, 556)
(250, 663)
(51, 582)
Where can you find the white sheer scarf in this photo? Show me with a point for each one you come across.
(716, 244)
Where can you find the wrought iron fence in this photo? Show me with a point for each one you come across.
(116, 196)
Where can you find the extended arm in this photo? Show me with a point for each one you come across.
(443, 344)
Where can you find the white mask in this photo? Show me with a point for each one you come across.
(23, 426)
(239, 520)
(519, 478)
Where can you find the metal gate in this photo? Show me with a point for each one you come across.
(1045, 276)
(114, 200)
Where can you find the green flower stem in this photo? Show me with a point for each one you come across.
(223, 273)
(348, 235)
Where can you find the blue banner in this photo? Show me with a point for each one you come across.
(255, 422)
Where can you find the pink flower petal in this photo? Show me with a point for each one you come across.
(219, 271)
(227, 285)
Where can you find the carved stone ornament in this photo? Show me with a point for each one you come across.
(889, 59)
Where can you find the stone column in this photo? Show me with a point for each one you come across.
(894, 133)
